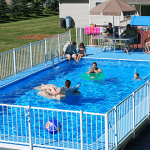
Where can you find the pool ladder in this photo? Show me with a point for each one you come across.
(52, 58)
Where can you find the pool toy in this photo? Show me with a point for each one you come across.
(136, 70)
(53, 126)
(72, 91)
(92, 76)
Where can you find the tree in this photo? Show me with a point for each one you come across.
(25, 11)
(37, 7)
(15, 9)
(52, 5)
(3, 10)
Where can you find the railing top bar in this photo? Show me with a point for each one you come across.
(22, 47)
(52, 37)
(13, 105)
(38, 42)
(91, 113)
(6, 52)
(140, 87)
(64, 33)
(110, 110)
(124, 100)
(55, 109)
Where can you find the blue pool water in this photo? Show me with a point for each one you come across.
(97, 96)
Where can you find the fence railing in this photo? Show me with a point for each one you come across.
(77, 130)
(88, 41)
(85, 38)
(28, 56)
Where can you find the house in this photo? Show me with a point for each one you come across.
(79, 11)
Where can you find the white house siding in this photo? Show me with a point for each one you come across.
(77, 9)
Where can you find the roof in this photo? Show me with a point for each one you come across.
(140, 21)
(137, 1)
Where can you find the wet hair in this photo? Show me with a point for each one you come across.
(94, 63)
(73, 43)
(68, 83)
(137, 74)
(81, 45)
(129, 26)
(91, 70)
(110, 24)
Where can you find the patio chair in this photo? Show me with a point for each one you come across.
(131, 44)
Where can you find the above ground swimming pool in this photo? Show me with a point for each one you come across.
(96, 96)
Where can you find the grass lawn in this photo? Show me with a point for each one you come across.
(27, 26)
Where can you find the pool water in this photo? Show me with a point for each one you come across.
(96, 96)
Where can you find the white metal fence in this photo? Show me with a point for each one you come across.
(142, 35)
(85, 38)
(28, 56)
(79, 130)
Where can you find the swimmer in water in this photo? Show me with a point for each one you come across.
(136, 77)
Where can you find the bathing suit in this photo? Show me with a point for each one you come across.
(81, 51)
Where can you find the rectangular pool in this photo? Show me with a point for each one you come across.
(96, 96)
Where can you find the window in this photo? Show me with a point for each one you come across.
(96, 3)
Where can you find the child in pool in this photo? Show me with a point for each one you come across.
(82, 51)
(136, 77)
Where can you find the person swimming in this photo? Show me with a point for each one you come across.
(54, 90)
(136, 77)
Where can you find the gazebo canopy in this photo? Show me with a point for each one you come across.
(140, 21)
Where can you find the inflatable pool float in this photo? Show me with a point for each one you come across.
(92, 76)
(48, 95)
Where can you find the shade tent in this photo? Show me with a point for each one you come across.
(140, 21)
(113, 8)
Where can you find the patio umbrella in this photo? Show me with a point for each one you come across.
(113, 8)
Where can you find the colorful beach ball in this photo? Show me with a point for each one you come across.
(53, 126)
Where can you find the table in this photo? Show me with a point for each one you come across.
(122, 38)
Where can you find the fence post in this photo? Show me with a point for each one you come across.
(76, 38)
(148, 98)
(59, 44)
(31, 54)
(70, 34)
(81, 129)
(116, 134)
(80, 34)
(14, 55)
(29, 123)
(106, 131)
(133, 115)
(45, 46)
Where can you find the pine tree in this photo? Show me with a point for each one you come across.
(15, 9)
(25, 11)
(3, 10)
(37, 7)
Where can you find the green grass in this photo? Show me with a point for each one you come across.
(9, 31)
